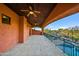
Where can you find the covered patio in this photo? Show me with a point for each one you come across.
(17, 20)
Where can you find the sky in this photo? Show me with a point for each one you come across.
(37, 28)
(69, 21)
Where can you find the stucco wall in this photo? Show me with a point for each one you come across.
(9, 34)
(24, 29)
(35, 32)
(14, 33)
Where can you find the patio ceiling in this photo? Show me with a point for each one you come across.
(45, 10)
(48, 12)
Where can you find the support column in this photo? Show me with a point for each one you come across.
(30, 31)
(21, 29)
(42, 30)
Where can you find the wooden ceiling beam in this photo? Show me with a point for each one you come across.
(60, 11)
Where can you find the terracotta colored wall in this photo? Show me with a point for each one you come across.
(9, 34)
(17, 31)
(24, 29)
(35, 32)
(21, 28)
(30, 31)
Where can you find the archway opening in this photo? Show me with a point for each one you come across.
(36, 30)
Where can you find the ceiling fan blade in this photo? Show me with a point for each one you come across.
(28, 14)
(37, 11)
(34, 15)
(30, 7)
(25, 10)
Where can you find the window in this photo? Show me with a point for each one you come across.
(6, 19)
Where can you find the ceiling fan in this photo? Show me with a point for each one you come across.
(31, 12)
